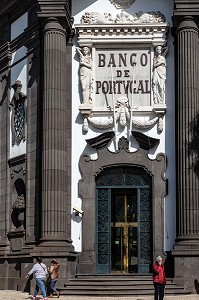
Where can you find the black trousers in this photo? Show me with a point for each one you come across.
(159, 291)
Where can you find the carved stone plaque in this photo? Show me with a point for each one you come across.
(122, 72)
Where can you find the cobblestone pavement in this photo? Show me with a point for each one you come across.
(13, 295)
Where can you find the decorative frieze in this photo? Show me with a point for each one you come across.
(122, 18)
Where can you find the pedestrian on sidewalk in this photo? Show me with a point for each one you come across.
(53, 271)
(159, 279)
(40, 271)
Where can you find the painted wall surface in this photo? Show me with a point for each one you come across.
(167, 137)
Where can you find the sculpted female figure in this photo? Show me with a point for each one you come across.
(159, 74)
(85, 72)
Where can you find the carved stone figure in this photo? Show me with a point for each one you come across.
(18, 211)
(85, 73)
(122, 114)
(17, 106)
(159, 74)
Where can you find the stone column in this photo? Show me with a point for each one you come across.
(54, 147)
(187, 155)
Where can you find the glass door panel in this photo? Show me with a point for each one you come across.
(124, 256)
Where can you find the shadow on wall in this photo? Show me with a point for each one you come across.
(196, 284)
(27, 285)
(193, 146)
(169, 265)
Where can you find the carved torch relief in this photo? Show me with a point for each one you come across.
(124, 81)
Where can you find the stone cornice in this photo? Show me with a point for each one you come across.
(186, 7)
(113, 33)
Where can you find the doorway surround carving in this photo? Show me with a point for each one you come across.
(90, 169)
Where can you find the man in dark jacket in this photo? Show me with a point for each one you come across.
(159, 278)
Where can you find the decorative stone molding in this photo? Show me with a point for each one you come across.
(17, 165)
(105, 123)
(123, 144)
(122, 18)
(122, 82)
(144, 124)
(146, 142)
(101, 141)
(18, 208)
(122, 4)
(150, 27)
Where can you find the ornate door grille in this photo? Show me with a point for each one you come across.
(123, 177)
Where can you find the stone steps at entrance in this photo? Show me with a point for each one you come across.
(117, 284)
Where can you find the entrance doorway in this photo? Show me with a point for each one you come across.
(124, 227)
(123, 221)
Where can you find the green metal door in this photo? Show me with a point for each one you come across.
(123, 221)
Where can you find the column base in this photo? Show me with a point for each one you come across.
(54, 246)
(186, 262)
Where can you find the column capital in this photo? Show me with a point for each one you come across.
(182, 22)
(59, 10)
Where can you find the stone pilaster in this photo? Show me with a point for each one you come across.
(187, 103)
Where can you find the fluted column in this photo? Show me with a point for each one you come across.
(54, 147)
(187, 127)
(186, 248)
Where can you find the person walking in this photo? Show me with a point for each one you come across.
(40, 271)
(159, 279)
(53, 271)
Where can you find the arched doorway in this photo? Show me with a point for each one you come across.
(124, 220)
(96, 177)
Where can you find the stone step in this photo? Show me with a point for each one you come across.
(117, 284)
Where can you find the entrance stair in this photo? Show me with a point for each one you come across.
(117, 285)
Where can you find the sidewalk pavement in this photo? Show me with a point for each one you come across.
(13, 295)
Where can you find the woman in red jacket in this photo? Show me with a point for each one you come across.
(159, 278)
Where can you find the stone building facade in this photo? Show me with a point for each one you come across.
(98, 142)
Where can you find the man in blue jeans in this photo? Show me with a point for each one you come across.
(40, 271)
